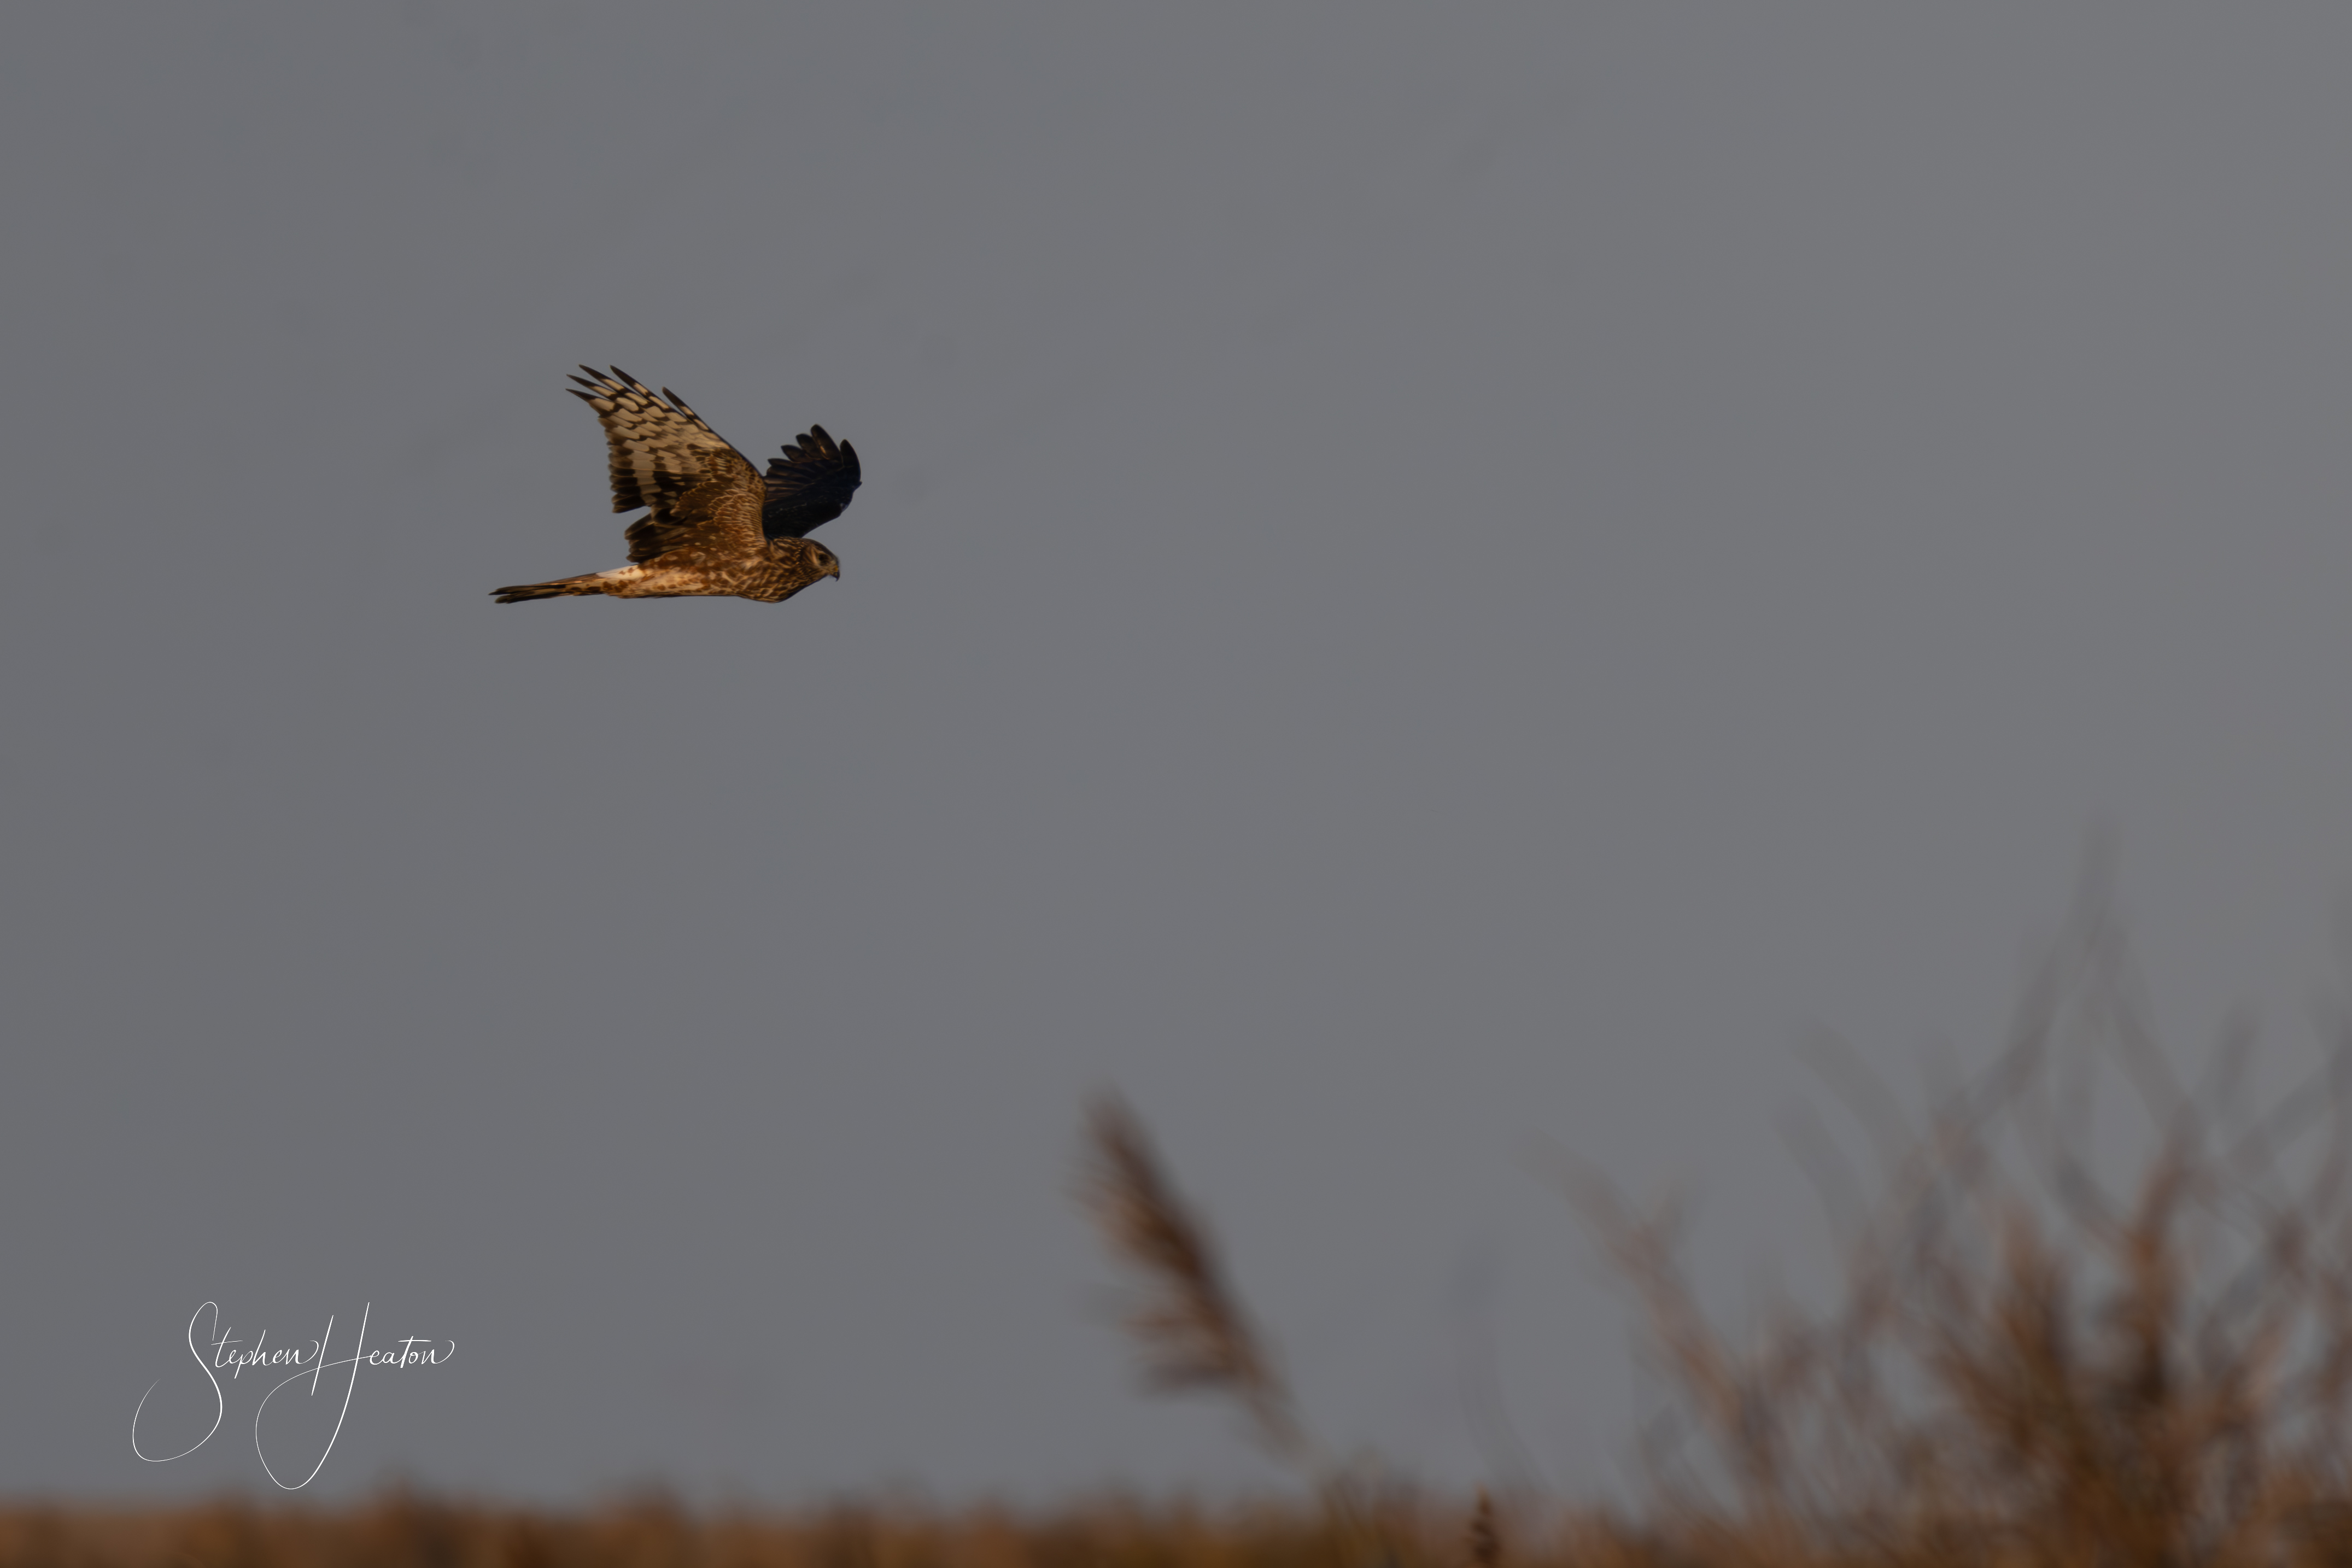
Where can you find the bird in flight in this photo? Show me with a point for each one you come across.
(713, 525)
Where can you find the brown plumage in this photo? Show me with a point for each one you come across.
(712, 525)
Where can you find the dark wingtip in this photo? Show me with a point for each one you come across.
(815, 444)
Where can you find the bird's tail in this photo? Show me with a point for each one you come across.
(562, 588)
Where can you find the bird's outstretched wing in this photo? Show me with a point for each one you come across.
(701, 492)
(810, 484)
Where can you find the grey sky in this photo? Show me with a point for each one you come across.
(1423, 580)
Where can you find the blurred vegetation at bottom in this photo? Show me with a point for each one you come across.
(410, 1531)
(2051, 1342)
(403, 1531)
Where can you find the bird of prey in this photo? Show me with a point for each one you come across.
(713, 526)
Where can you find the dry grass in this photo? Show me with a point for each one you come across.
(2053, 1341)
(1188, 1322)
(1484, 1537)
(2031, 1359)
(411, 1533)
(1190, 1328)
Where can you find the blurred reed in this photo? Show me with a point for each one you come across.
(1188, 1323)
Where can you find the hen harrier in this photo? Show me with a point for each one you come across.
(715, 527)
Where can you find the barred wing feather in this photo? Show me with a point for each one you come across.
(698, 490)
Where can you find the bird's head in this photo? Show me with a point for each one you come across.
(815, 556)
